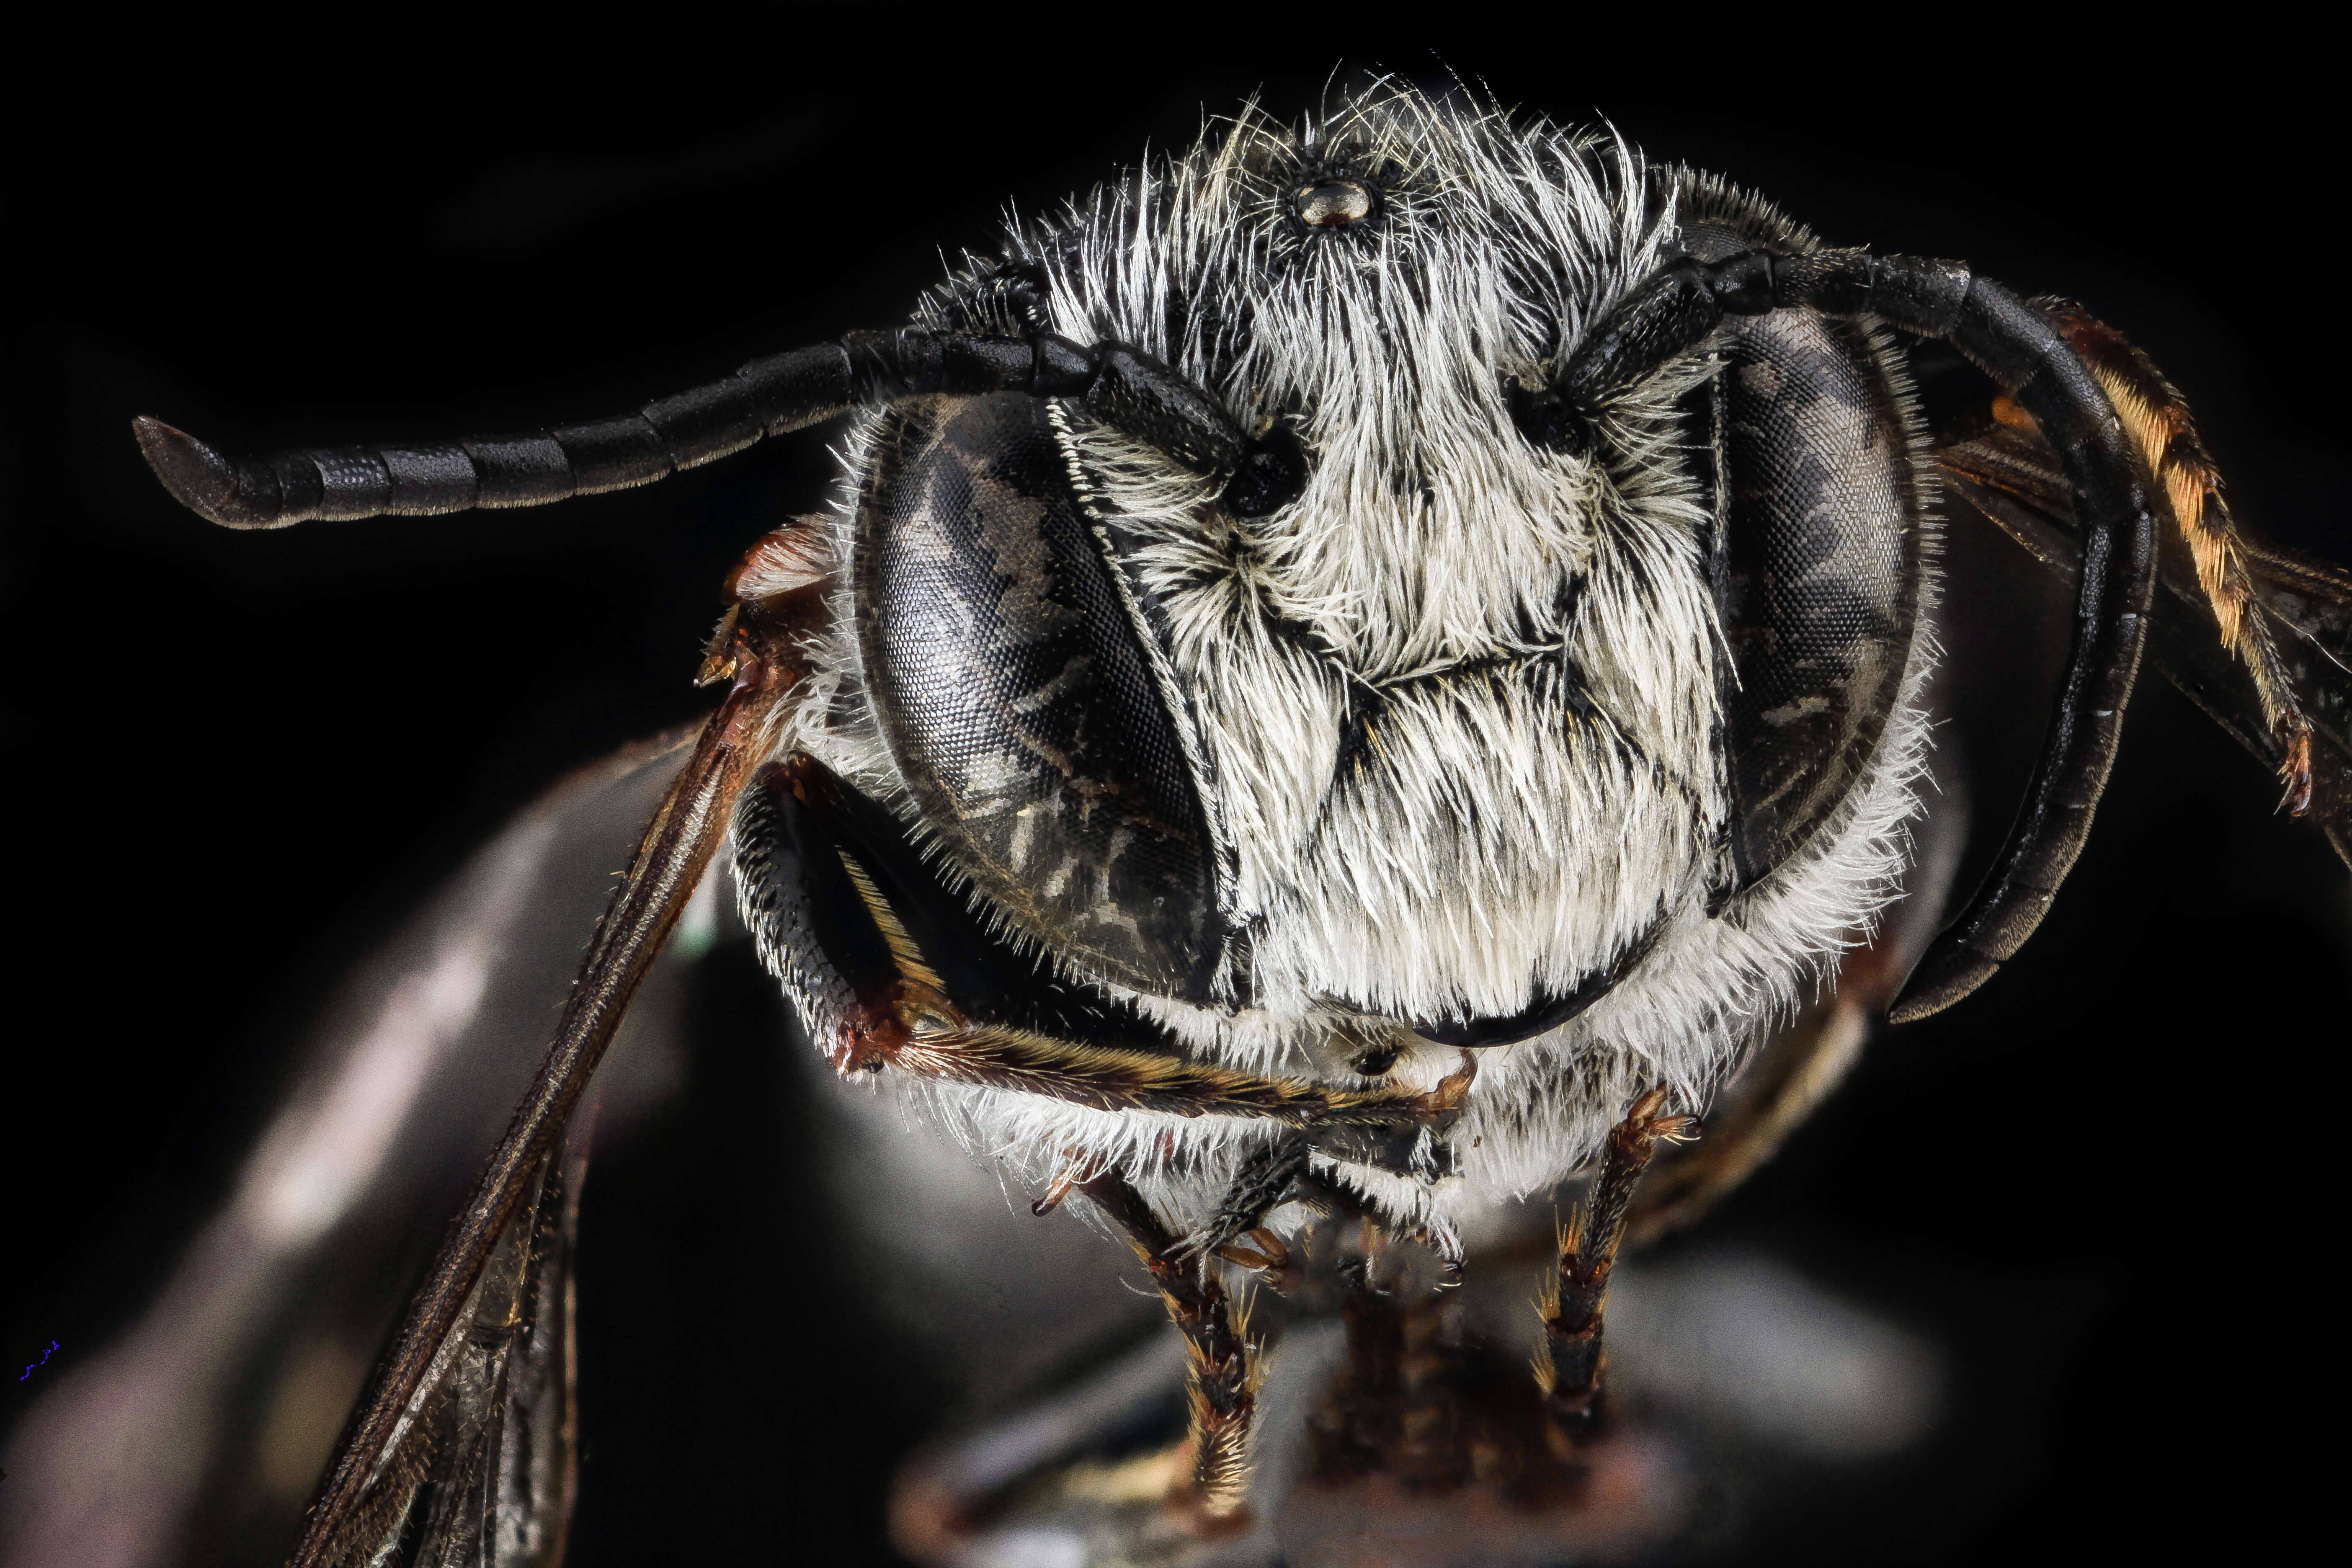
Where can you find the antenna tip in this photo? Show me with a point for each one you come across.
(1949, 971)
(198, 478)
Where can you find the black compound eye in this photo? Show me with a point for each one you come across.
(1333, 204)
(1273, 474)
(1550, 421)
(1011, 675)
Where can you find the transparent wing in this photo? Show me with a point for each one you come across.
(211, 1419)
(2009, 477)
(427, 1435)
(486, 1465)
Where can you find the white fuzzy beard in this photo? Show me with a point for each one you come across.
(1500, 840)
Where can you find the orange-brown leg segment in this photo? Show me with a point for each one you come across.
(890, 972)
(2156, 418)
(1569, 1367)
(1226, 1371)
(1776, 1092)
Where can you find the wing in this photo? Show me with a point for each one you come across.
(2298, 661)
(428, 1435)
(211, 1417)
(2257, 637)
(485, 1461)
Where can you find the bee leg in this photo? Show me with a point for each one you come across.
(1444, 1243)
(1225, 1371)
(2156, 418)
(1323, 1196)
(1266, 1180)
(2046, 376)
(1568, 1369)
(891, 971)
(1779, 1088)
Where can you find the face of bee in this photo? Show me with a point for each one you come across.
(552, 247)
(1422, 745)
(1232, 750)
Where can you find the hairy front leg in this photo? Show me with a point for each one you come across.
(1569, 1368)
(1226, 1373)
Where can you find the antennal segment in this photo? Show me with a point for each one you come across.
(1130, 392)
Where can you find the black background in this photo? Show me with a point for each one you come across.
(236, 758)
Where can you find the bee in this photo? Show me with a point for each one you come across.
(1365, 670)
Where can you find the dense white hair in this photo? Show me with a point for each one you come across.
(1455, 710)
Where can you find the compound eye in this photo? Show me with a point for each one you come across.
(1013, 680)
(1335, 203)
(1548, 420)
(1273, 474)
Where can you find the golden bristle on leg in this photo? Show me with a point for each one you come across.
(2155, 415)
(1224, 1366)
(1569, 1368)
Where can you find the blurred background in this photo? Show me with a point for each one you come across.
(239, 762)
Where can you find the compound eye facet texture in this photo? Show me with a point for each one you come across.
(1334, 204)
(1014, 686)
(1819, 594)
